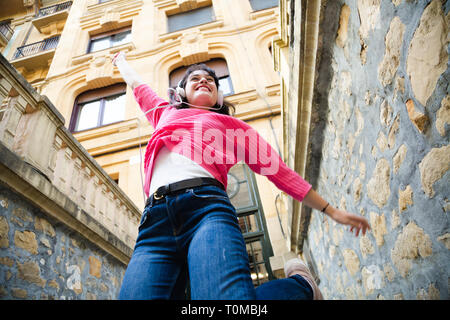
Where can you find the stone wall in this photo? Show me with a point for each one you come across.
(41, 258)
(383, 82)
(67, 230)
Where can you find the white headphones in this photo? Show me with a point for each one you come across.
(182, 94)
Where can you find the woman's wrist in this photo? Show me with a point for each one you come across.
(330, 210)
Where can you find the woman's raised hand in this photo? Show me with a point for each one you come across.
(119, 56)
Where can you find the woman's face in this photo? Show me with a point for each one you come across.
(201, 89)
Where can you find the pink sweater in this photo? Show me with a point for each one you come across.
(214, 141)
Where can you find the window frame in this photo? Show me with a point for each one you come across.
(230, 83)
(262, 235)
(255, 10)
(109, 35)
(168, 16)
(96, 97)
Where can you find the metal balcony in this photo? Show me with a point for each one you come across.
(34, 48)
(35, 55)
(50, 15)
(53, 9)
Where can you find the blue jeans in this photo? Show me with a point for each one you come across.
(195, 234)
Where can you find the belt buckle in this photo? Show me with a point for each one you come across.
(156, 197)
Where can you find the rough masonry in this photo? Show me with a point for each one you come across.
(383, 79)
(40, 258)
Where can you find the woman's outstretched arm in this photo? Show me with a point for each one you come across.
(357, 223)
(264, 160)
(128, 74)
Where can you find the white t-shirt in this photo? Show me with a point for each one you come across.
(170, 167)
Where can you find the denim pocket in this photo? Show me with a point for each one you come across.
(209, 193)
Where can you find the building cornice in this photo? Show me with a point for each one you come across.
(302, 101)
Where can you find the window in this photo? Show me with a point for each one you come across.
(110, 39)
(263, 4)
(226, 86)
(98, 107)
(189, 19)
(243, 194)
(219, 65)
(5, 30)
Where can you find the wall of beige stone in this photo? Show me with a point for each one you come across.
(383, 91)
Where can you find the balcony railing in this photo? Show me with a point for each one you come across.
(5, 30)
(52, 9)
(33, 48)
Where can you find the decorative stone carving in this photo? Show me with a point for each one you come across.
(193, 47)
(110, 18)
(186, 5)
(100, 72)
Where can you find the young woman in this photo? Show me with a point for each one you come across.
(189, 227)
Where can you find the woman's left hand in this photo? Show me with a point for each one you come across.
(355, 222)
(119, 56)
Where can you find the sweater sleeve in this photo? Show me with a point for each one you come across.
(259, 155)
(148, 99)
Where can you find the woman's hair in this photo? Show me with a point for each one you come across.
(227, 108)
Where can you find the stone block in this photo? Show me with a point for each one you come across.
(342, 33)
(443, 116)
(378, 225)
(366, 246)
(445, 239)
(378, 188)
(405, 198)
(385, 113)
(26, 240)
(399, 157)
(427, 55)
(30, 271)
(357, 190)
(4, 230)
(351, 261)
(391, 60)
(95, 266)
(19, 293)
(393, 132)
(43, 225)
(369, 13)
(411, 244)
(419, 119)
(433, 167)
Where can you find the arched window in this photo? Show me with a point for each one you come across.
(219, 65)
(98, 107)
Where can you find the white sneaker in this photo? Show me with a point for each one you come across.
(297, 266)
